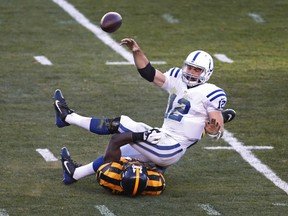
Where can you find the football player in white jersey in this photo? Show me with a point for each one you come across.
(193, 106)
(192, 103)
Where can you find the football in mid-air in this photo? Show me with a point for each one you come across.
(110, 22)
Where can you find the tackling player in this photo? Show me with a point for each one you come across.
(126, 176)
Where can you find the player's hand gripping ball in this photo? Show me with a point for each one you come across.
(110, 22)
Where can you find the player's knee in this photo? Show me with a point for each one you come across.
(113, 125)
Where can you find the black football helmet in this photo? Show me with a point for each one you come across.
(134, 179)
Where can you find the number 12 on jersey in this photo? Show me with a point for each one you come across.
(181, 108)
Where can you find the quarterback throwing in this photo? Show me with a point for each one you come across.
(194, 106)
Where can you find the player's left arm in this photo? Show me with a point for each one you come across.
(215, 126)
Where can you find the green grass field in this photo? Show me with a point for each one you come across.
(204, 182)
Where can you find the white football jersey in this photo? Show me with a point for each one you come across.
(188, 108)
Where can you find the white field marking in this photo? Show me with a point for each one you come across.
(249, 157)
(209, 209)
(104, 210)
(170, 19)
(223, 58)
(97, 31)
(3, 212)
(130, 63)
(46, 154)
(246, 147)
(119, 63)
(280, 204)
(43, 60)
(256, 17)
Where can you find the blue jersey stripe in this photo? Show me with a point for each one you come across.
(219, 95)
(124, 129)
(171, 73)
(214, 92)
(163, 147)
(176, 74)
(158, 154)
(175, 71)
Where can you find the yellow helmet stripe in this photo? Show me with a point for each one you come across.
(136, 185)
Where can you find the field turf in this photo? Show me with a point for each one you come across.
(204, 182)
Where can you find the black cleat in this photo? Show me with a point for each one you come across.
(61, 108)
(68, 166)
(228, 115)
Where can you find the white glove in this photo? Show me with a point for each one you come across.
(152, 136)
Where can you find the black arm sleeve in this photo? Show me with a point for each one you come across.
(148, 72)
(136, 137)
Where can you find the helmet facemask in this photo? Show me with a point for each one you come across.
(191, 79)
(201, 61)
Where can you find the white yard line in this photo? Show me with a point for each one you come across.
(97, 31)
(170, 19)
(119, 63)
(3, 212)
(249, 157)
(46, 154)
(280, 204)
(247, 147)
(223, 58)
(209, 209)
(256, 17)
(104, 210)
(132, 63)
(43, 60)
